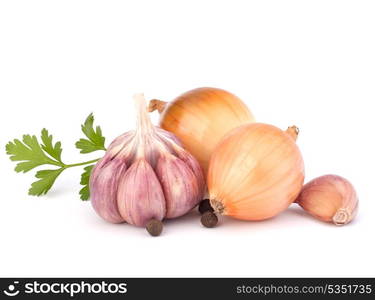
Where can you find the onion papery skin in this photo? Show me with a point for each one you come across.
(255, 172)
(201, 117)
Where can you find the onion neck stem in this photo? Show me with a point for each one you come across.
(156, 104)
(293, 132)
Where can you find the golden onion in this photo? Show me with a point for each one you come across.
(255, 172)
(201, 117)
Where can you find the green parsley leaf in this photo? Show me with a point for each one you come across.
(95, 139)
(47, 146)
(85, 179)
(29, 153)
(47, 179)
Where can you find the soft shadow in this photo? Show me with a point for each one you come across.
(296, 210)
(192, 216)
(292, 216)
(56, 192)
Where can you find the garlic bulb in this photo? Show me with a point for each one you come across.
(201, 117)
(145, 175)
(329, 198)
(255, 172)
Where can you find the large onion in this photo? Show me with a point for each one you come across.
(255, 172)
(201, 117)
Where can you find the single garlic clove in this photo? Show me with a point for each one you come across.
(188, 159)
(329, 198)
(120, 143)
(103, 187)
(179, 183)
(140, 196)
(169, 137)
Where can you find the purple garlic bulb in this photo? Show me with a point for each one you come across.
(145, 175)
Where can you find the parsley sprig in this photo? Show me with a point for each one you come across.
(95, 139)
(30, 153)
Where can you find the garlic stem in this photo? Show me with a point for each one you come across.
(156, 104)
(144, 124)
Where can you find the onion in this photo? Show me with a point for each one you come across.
(200, 118)
(255, 172)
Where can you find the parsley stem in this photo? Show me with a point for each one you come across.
(81, 164)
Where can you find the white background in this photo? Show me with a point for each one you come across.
(309, 63)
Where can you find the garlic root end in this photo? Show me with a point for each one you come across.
(341, 217)
(156, 104)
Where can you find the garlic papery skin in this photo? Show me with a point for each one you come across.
(330, 198)
(255, 172)
(145, 175)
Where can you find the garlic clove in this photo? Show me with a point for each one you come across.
(140, 196)
(103, 187)
(329, 198)
(120, 143)
(170, 138)
(190, 161)
(179, 183)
